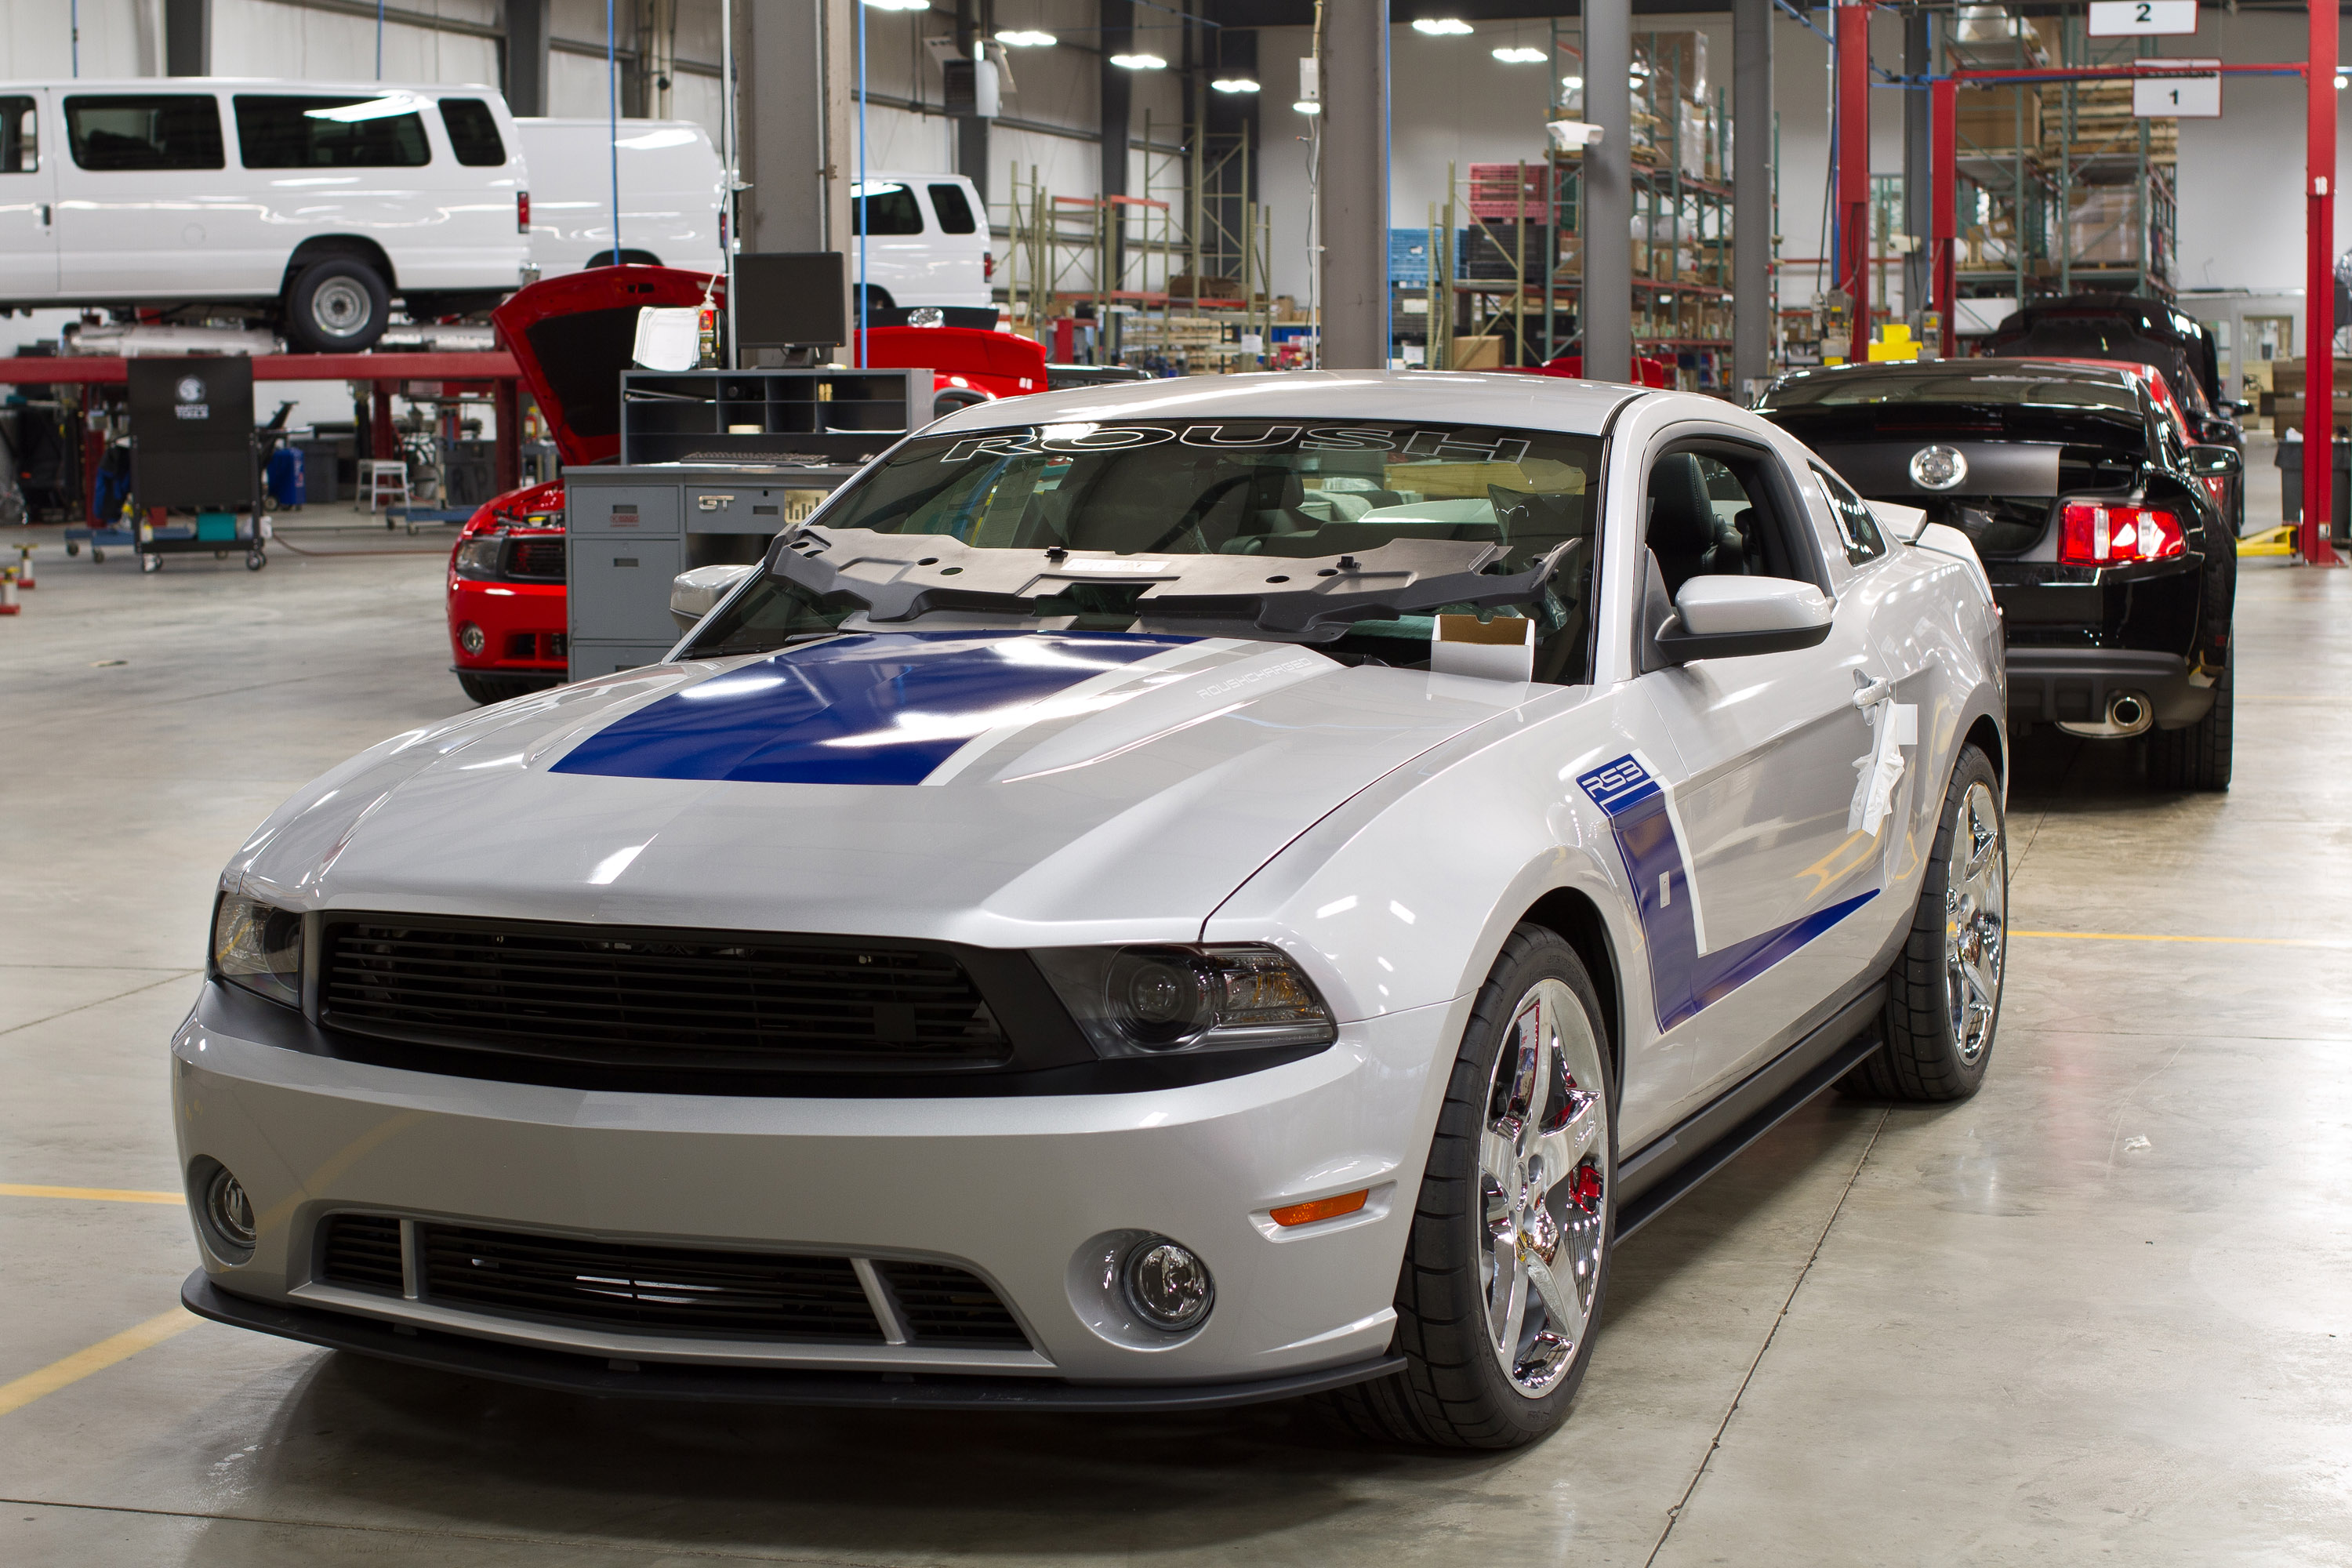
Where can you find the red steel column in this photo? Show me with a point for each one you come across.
(1853, 273)
(1943, 220)
(2319, 289)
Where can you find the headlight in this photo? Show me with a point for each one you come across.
(1148, 1001)
(260, 948)
(479, 557)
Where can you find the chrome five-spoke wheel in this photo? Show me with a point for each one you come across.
(1543, 1161)
(1975, 912)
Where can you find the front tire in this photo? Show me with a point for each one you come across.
(337, 306)
(1943, 997)
(1508, 1253)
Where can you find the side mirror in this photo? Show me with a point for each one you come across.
(2216, 462)
(1731, 617)
(694, 594)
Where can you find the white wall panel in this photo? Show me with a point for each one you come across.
(119, 37)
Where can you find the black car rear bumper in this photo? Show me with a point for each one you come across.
(2072, 686)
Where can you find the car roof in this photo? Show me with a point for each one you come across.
(1455, 397)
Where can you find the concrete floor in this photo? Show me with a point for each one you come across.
(2102, 1312)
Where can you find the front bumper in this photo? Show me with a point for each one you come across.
(522, 626)
(1020, 1190)
(2072, 686)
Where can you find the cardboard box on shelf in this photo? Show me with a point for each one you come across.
(1476, 354)
(1677, 59)
(1183, 285)
(1988, 117)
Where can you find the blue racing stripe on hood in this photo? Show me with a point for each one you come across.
(867, 708)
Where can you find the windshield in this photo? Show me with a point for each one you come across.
(2005, 384)
(1226, 527)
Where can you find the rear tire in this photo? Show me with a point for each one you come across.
(337, 305)
(1943, 996)
(1508, 1255)
(2197, 757)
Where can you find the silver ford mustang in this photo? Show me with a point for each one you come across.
(1161, 895)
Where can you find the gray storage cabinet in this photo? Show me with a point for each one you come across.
(629, 529)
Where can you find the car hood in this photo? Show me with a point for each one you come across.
(1005, 789)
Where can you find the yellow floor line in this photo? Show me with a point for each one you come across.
(95, 1195)
(2135, 936)
(97, 1358)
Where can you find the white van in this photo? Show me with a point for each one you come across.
(921, 240)
(310, 204)
(672, 189)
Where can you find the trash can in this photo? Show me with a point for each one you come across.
(2290, 466)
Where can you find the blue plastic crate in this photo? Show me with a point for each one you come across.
(1409, 257)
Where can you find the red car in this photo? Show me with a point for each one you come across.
(571, 338)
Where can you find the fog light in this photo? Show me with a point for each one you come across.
(470, 638)
(1167, 1285)
(228, 1212)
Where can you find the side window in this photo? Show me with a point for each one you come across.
(473, 132)
(885, 208)
(1714, 512)
(275, 133)
(954, 212)
(1857, 525)
(20, 136)
(144, 131)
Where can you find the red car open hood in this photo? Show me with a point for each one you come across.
(572, 337)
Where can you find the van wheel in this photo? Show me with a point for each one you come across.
(337, 306)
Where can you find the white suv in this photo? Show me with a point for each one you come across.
(310, 205)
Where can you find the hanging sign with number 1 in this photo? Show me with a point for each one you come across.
(2124, 18)
(2182, 97)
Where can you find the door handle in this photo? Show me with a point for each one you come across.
(1868, 694)
(46, 217)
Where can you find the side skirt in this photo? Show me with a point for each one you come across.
(1670, 1165)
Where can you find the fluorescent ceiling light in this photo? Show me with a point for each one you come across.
(1139, 62)
(1308, 105)
(1234, 84)
(1440, 26)
(1519, 55)
(1027, 38)
(1572, 83)
(374, 109)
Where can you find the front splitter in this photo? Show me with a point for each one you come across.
(601, 1378)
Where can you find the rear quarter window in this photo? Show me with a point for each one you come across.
(473, 132)
(343, 133)
(1857, 525)
(954, 212)
(118, 131)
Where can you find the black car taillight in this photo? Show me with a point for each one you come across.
(2091, 534)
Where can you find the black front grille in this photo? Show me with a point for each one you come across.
(645, 1289)
(540, 559)
(662, 999)
(360, 1250)
(947, 1306)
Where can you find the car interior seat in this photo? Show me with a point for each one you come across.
(1689, 538)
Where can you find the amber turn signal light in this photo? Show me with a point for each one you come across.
(1321, 1208)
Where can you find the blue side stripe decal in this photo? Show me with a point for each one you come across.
(1681, 979)
(869, 709)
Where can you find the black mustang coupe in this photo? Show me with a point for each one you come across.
(2102, 530)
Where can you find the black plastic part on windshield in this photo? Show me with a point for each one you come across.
(600, 1376)
(901, 576)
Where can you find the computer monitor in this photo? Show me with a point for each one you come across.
(790, 298)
